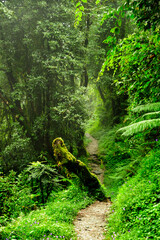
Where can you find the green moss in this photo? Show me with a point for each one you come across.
(69, 162)
(61, 152)
(81, 163)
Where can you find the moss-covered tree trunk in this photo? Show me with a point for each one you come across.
(67, 160)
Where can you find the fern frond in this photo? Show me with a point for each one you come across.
(147, 116)
(147, 107)
(139, 127)
(151, 115)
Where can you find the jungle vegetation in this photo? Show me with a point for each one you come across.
(66, 68)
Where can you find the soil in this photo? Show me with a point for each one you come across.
(91, 221)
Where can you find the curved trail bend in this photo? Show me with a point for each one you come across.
(91, 221)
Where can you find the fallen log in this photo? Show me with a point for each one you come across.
(65, 159)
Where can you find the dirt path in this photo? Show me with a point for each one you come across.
(94, 164)
(90, 222)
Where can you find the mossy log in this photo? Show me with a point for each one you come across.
(65, 159)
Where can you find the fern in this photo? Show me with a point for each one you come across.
(43, 179)
(147, 108)
(147, 116)
(139, 127)
(149, 120)
(151, 115)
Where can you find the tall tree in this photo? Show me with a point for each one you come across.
(40, 70)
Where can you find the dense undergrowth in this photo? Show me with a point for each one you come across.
(54, 220)
(41, 203)
(132, 179)
(136, 211)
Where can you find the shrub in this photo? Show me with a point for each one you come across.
(42, 179)
(14, 198)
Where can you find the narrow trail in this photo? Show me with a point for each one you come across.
(91, 221)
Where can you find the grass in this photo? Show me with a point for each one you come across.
(54, 221)
(136, 212)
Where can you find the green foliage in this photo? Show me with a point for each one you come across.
(43, 61)
(53, 221)
(28, 190)
(146, 12)
(139, 127)
(117, 158)
(94, 125)
(151, 121)
(133, 64)
(5, 12)
(132, 182)
(147, 108)
(15, 197)
(17, 152)
(120, 158)
(113, 27)
(68, 162)
(79, 12)
(43, 179)
(136, 210)
(137, 59)
(40, 71)
(68, 118)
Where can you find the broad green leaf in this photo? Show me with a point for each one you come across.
(119, 22)
(98, 1)
(77, 5)
(81, 8)
(115, 30)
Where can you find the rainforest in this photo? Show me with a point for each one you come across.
(79, 119)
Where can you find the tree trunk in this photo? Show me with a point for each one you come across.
(66, 159)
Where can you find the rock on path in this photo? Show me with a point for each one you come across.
(91, 221)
